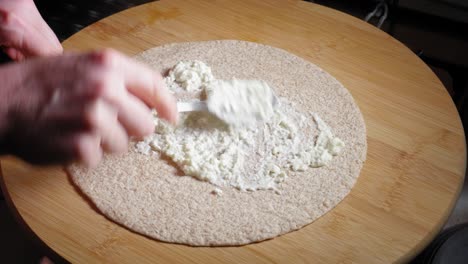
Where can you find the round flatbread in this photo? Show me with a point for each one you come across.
(152, 197)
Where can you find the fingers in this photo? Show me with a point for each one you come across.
(47, 42)
(133, 114)
(114, 139)
(61, 149)
(145, 84)
(135, 117)
(25, 32)
(55, 47)
(39, 42)
(89, 103)
(103, 123)
(71, 132)
(150, 87)
(88, 149)
(104, 133)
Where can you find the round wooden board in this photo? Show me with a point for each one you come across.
(416, 148)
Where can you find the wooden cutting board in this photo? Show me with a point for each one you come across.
(408, 186)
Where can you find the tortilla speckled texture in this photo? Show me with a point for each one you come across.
(149, 196)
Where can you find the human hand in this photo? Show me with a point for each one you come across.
(75, 106)
(23, 32)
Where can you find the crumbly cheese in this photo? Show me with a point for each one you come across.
(143, 147)
(217, 191)
(252, 158)
(192, 76)
(322, 152)
(249, 158)
(240, 102)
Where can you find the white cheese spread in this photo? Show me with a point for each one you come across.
(249, 158)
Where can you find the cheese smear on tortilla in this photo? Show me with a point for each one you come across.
(256, 156)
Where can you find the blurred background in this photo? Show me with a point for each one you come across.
(435, 30)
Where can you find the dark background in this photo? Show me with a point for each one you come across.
(436, 30)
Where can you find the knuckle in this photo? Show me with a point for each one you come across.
(7, 18)
(100, 82)
(98, 87)
(104, 58)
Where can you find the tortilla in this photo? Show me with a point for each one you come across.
(150, 196)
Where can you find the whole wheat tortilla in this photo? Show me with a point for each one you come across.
(151, 197)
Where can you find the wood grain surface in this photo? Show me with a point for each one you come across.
(408, 186)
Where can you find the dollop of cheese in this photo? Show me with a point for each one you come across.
(192, 76)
